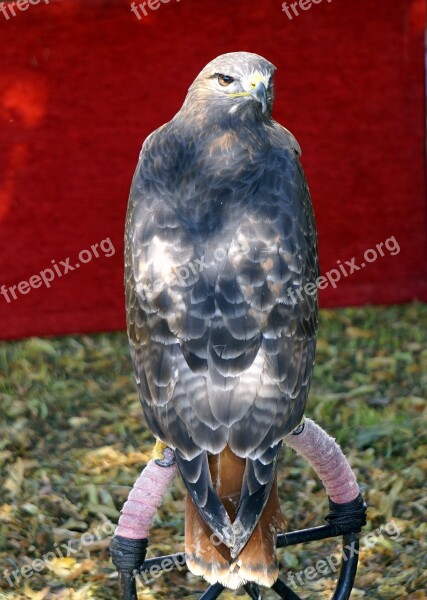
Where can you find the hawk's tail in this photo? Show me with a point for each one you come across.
(206, 556)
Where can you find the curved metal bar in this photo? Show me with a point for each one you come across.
(252, 590)
(127, 586)
(343, 588)
(212, 592)
(348, 567)
(284, 591)
(307, 535)
(166, 562)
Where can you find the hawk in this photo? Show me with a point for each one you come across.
(220, 248)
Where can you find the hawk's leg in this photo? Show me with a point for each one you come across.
(327, 459)
(129, 544)
(346, 516)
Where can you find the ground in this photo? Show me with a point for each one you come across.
(73, 440)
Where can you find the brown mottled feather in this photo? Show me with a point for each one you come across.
(207, 557)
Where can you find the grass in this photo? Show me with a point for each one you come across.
(73, 440)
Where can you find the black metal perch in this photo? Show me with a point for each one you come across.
(343, 588)
(346, 517)
(346, 520)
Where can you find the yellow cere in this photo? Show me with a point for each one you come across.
(254, 80)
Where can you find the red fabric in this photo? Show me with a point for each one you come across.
(83, 83)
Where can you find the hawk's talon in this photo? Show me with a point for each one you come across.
(163, 455)
(300, 428)
(169, 462)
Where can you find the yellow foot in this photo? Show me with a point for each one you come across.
(158, 450)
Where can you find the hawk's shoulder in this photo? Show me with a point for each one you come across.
(285, 138)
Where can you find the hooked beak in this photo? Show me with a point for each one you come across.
(255, 88)
(260, 94)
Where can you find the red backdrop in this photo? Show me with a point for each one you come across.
(83, 83)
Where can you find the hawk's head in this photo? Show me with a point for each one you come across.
(235, 82)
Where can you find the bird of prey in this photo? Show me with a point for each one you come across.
(221, 247)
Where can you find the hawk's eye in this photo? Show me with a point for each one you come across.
(225, 80)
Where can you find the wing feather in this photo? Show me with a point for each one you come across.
(222, 329)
